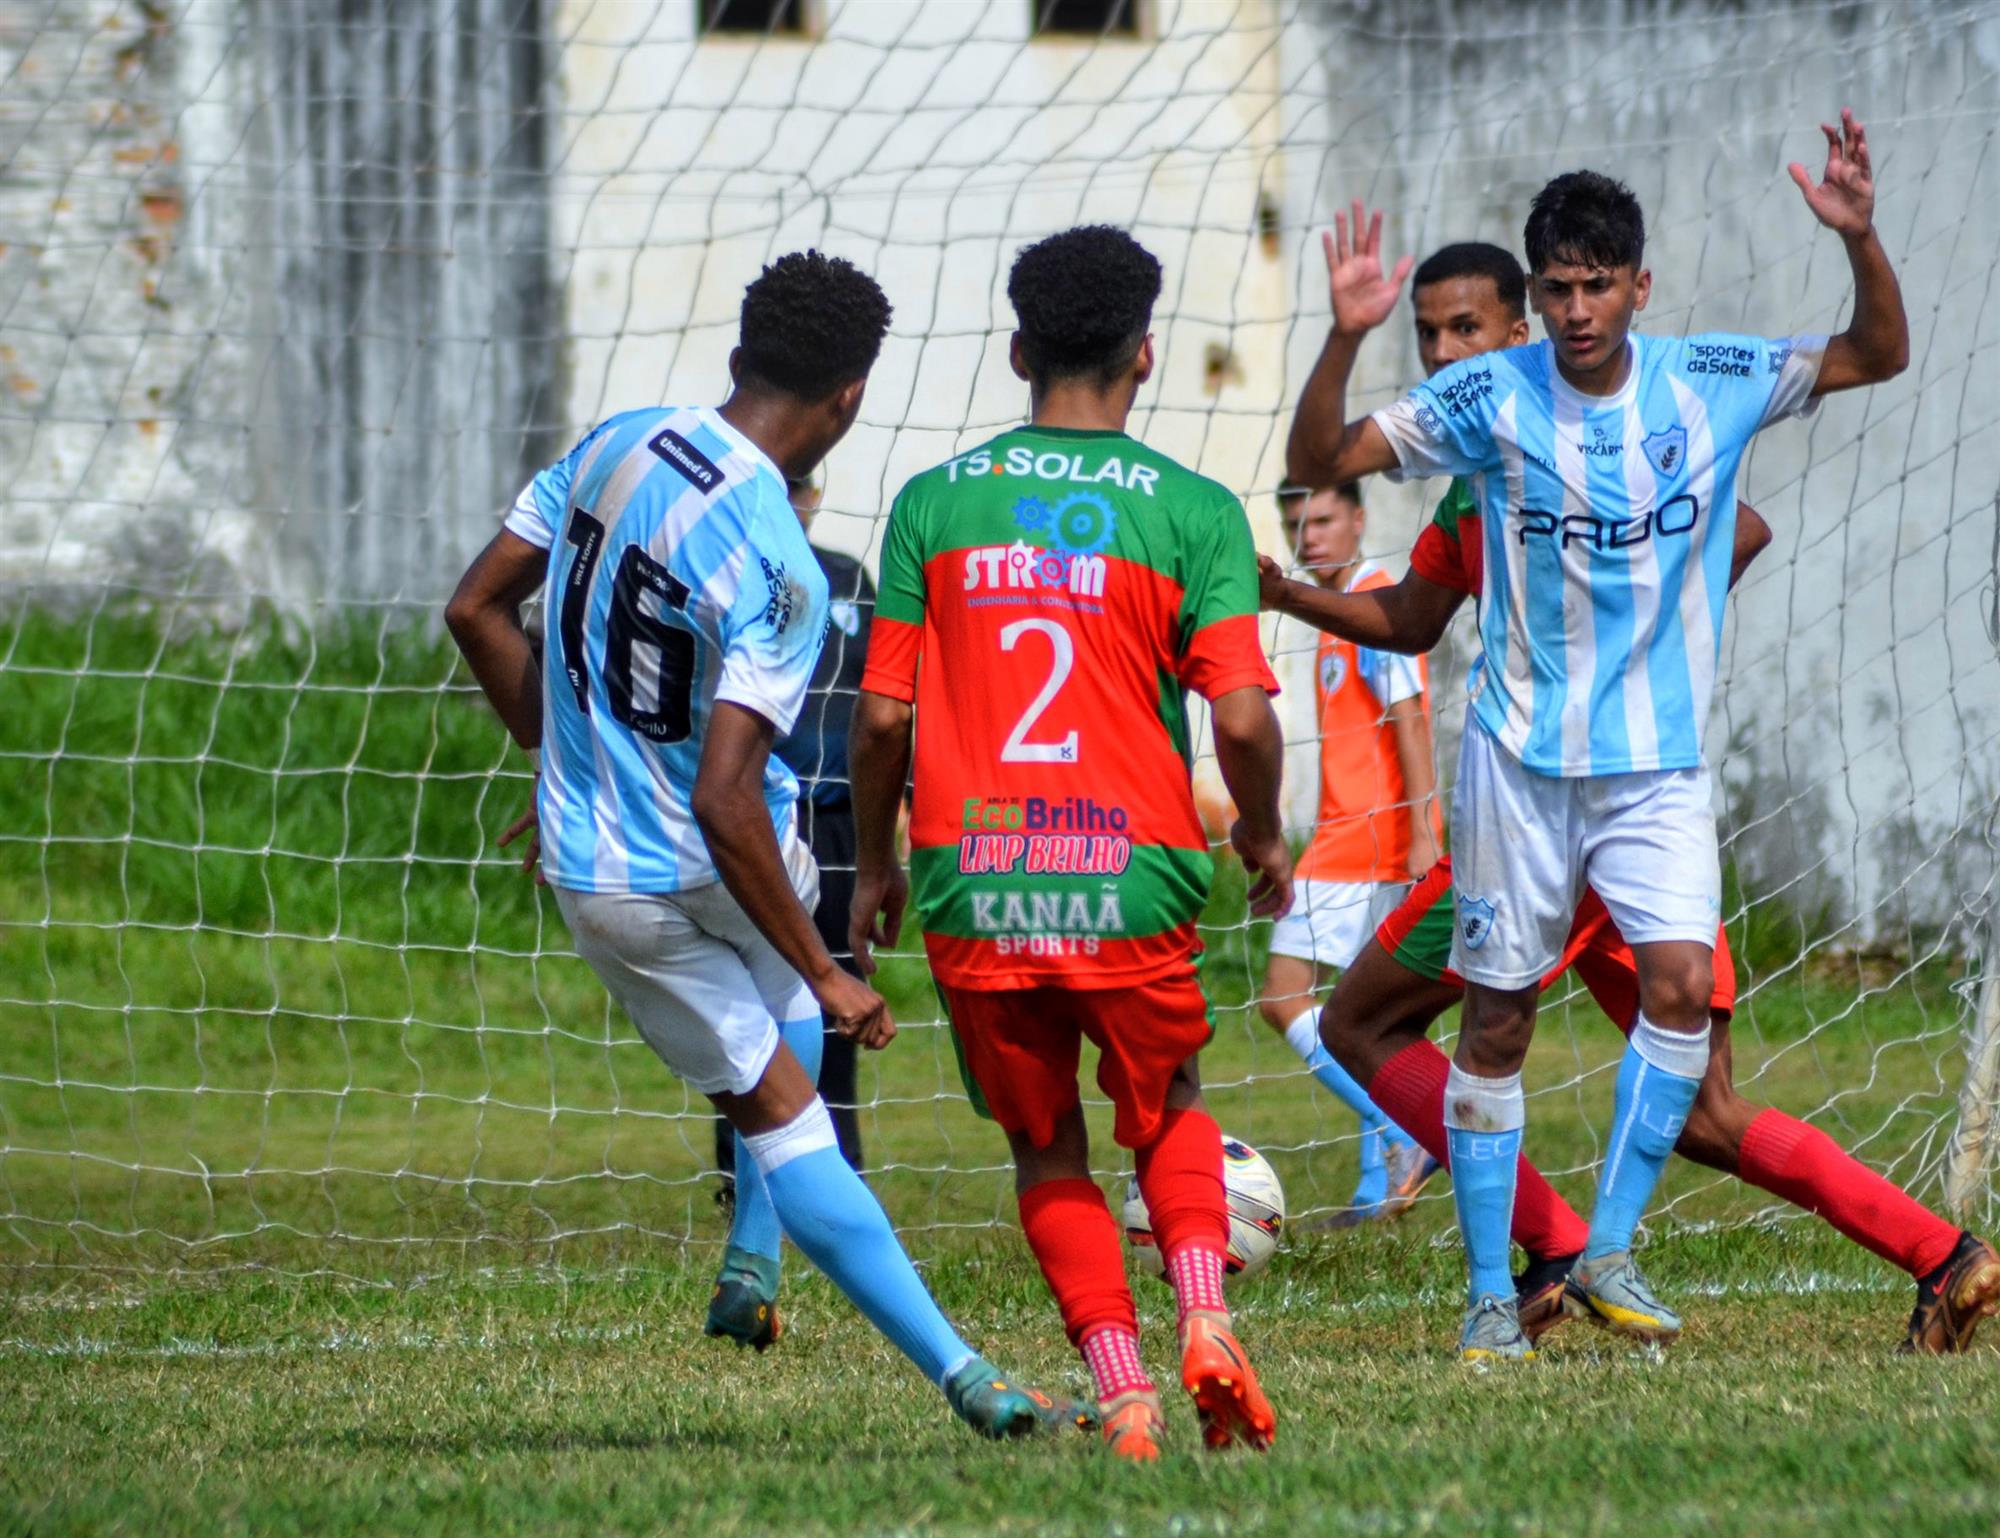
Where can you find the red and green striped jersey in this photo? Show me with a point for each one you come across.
(1045, 600)
(1448, 551)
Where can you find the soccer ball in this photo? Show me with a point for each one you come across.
(1256, 1214)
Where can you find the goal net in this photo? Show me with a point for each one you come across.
(294, 298)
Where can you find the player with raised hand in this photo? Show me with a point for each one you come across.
(1469, 299)
(1045, 599)
(686, 614)
(1602, 465)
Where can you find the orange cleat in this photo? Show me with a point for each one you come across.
(1216, 1371)
(1134, 1426)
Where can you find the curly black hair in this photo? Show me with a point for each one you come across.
(1478, 259)
(811, 323)
(1084, 299)
(1587, 219)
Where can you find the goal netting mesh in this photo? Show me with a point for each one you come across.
(294, 297)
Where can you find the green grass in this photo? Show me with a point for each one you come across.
(331, 1188)
(549, 1404)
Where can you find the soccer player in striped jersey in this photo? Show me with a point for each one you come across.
(1045, 600)
(686, 614)
(1602, 464)
(1468, 299)
(1374, 830)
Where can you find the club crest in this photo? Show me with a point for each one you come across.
(1332, 670)
(1667, 451)
(1475, 920)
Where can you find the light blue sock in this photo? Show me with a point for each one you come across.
(828, 1213)
(1377, 1131)
(1302, 1036)
(1657, 1080)
(755, 1225)
(1483, 1119)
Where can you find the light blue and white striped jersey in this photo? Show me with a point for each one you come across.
(679, 575)
(1607, 525)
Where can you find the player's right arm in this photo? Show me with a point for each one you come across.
(1325, 447)
(484, 617)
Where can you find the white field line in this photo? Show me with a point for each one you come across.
(84, 1347)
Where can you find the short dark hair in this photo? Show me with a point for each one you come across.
(1588, 219)
(811, 323)
(1084, 299)
(1478, 259)
(1288, 490)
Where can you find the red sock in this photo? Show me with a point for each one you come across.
(1180, 1175)
(1069, 1228)
(1112, 1353)
(1410, 1090)
(1802, 1164)
(1196, 1273)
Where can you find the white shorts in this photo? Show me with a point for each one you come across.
(1329, 921)
(700, 981)
(1524, 845)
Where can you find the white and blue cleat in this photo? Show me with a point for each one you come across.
(1493, 1333)
(1609, 1291)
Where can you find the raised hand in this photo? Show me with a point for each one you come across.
(1362, 297)
(1844, 200)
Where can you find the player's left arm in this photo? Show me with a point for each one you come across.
(484, 617)
(728, 807)
(1876, 344)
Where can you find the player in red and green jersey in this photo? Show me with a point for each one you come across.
(1469, 299)
(1044, 603)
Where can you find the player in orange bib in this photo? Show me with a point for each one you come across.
(1375, 830)
(1045, 600)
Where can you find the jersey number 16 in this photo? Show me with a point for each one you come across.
(629, 632)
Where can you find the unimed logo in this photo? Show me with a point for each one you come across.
(687, 459)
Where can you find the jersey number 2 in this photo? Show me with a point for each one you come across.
(629, 631)
(1017, 749)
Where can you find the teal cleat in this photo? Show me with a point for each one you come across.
(993, 1407)
(744, 1306)
(1493, 1333)
(1609, 1291)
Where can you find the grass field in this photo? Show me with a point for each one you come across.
(332, 1197)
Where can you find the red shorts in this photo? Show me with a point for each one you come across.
(1019, 1050)
(1418, 935)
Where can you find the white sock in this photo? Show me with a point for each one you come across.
(1302, 1035)
(811, 1129)
(1684, 1053)
(1475, 1104)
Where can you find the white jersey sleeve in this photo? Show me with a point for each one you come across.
(1445, 425)
(772, 636)
(1392, 676)
(1795, 362)
(538, 512)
